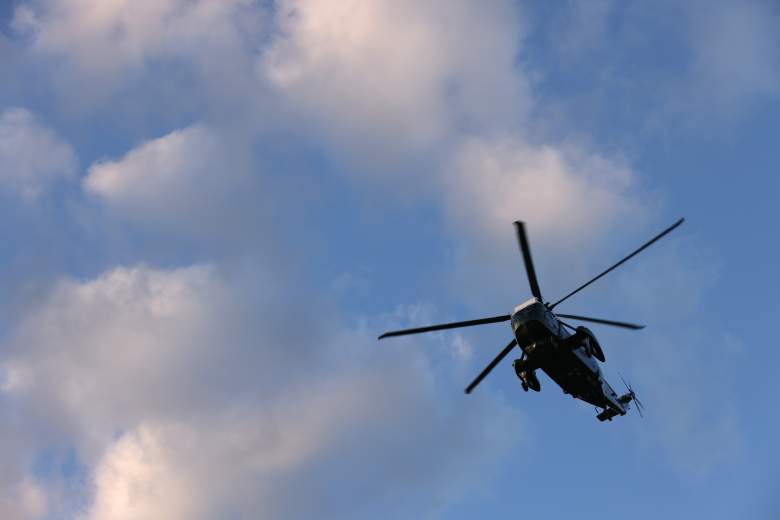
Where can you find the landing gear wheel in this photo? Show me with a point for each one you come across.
(526, 375)
(532, 381)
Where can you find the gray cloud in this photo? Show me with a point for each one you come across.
(736, 54)
(32, 157)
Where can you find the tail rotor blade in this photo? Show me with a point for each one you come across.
(626, 259)
(639, 405)
(501, 355)
(522, 239)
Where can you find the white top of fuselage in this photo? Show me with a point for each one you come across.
(525, 304)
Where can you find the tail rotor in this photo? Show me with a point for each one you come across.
(639, 406)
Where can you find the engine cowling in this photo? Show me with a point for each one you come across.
(591, 343)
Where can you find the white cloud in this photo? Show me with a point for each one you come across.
(32, 157)
(143, 60)
(574, 203)
(108, 40)
(567, 195)
(197, 469)
(21, 495)
(387, 80)
(191, 182)
(133, 481)
(185, 402)
(104, 351)
(397, 75)
(22, 501)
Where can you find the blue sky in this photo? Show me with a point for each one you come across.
(211, 210)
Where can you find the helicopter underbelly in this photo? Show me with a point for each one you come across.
(576, 373)
(576, 381)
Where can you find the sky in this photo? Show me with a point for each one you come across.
(210, 210)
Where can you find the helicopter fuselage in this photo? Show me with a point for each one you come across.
(564, 357)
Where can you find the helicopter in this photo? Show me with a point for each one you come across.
(569, 355)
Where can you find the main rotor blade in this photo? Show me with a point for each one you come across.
(632, 255)
(573, 329)
(501, 355)
(529, 263)
(443, 326)
(623, 324)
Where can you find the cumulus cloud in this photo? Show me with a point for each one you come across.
(32, 156)
(114, 372)
(101, 48)
(398, 78)
(566, 194)
(397, 75)
(21, 497)
(194, 469)
(180, 405)
(196, 182)
(572, 200)
(23, 500)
